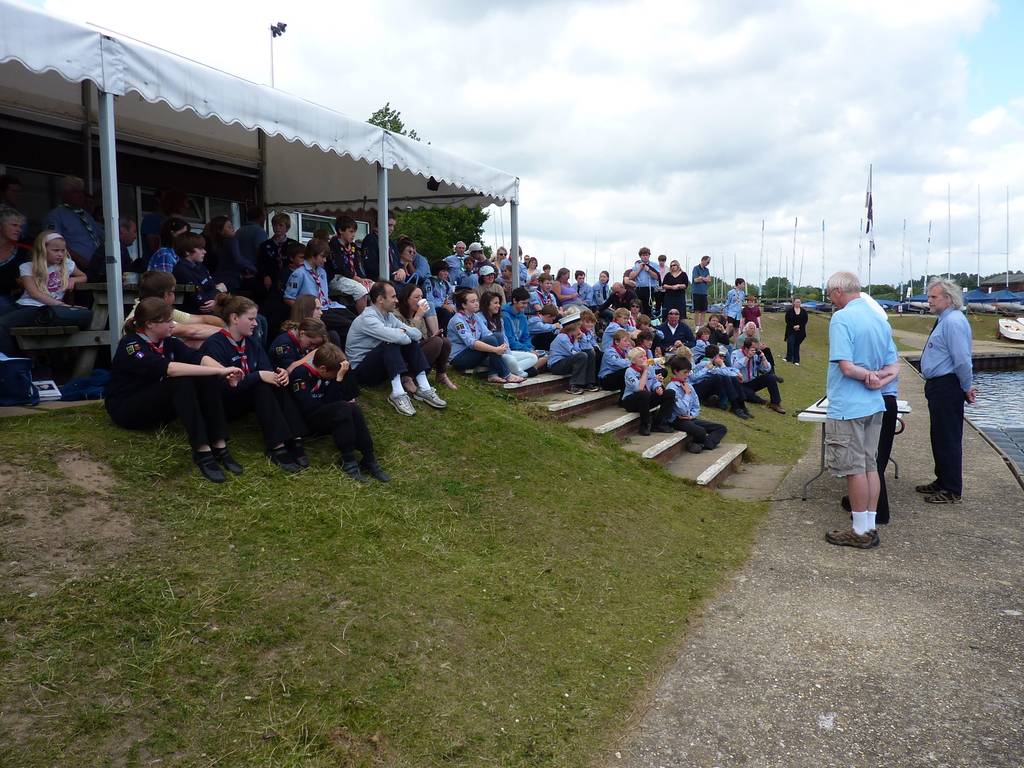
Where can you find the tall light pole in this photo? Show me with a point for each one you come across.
(276, 30)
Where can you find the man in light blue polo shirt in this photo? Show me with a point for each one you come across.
(647, 278)
(862, 360)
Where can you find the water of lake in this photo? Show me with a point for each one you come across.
(999, 411)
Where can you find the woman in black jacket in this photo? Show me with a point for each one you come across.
(796, 331)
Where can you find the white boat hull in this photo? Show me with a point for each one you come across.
(985, 309)
(1012, 329)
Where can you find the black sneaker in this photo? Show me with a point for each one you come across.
(665, 428)
(780, 380)
(283, 458)
(742, 414)
(351, 468)
(574, 390)
(942, 497)
(208, 467)
(226, 460)
(298, 453)
(932, 487)
(592, 388)
(644, 430)
(374, 470)
(694, 448)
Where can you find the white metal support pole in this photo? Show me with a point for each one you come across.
(112, 246)
(513, 221)
(383, 245)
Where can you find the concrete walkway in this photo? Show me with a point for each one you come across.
(911, 654)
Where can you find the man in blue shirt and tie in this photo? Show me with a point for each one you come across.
(947, 367)
(647, 278)
(862, 359)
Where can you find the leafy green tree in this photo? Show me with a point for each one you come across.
(777, 287)
(434, 230)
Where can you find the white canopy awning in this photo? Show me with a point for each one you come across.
(314, 157)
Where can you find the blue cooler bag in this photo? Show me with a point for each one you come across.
(16, 387)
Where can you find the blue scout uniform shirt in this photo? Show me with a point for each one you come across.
(698, 350)
(687, 403)
(585, 292)
(632, 382)
(749, 367)
(645, 279)
(599, 293)
(464, 330)
(561, 348)
(306, 281)
(285, 350)
(524, 276)
(456, 268)
(948, 349)
(586, 340)
(540, 297)
(734, 302)
(139, 363)
(613, 360)
(246, 354)
(537, 325)
(699, 288)
(436, 291)
(609, 332)
(858, 334)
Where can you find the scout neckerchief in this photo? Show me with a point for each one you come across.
(156, 346)
(315, 274)
(239, 347)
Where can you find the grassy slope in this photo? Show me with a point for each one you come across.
(502, 602)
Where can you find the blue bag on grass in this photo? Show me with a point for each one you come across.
(86, 387)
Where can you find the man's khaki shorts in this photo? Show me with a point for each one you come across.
(851, 445)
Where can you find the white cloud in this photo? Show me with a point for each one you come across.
(676, 124)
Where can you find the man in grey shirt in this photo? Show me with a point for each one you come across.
(380, 348)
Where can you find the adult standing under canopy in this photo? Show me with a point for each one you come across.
(947, 367)
(700, 280)
(647, 278)
(79, 229)
(862, 360)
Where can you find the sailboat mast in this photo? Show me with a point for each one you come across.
(792, 264)
(1007, 238)
(860, 247)
(979, 236)
(903, 257)
(949, 230)
(760, 264)
(822, 259)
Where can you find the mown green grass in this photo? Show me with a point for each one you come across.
(503, 602)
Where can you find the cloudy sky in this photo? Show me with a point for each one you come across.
(678, 125)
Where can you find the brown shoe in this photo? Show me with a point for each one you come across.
(777, 408)
(847, 538)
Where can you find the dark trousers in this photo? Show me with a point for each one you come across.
(580, 368)
(346, 424)
(339, 321)
(19, 314)
(727, 388)
(793, 348)
(195, 400)
(946, 412)
(614, 381)
(386, 360)
(437, 350)
(642, 401)
(764, 381)
(542, 340)
(885, 439)
(276, 412)
(471, 358)
(646, 296)
(705, 433)
(769, 356)
(443, 318)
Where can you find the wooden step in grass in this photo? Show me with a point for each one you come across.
(658, 446)
(563, 406)
(709, 468)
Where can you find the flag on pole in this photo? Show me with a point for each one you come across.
(869, 227)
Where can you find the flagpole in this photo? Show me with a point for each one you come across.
(1007, 237)
(903, 257)
(860, 247)
(979, 236)
(949, 230)
(928, 257)
(760, 264)
(822, 259)
(870, 228)
(778, 283)
(792, 263)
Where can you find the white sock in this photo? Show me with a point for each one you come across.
(421, 380)
(871, 518)
(396, 386)
(860, 523)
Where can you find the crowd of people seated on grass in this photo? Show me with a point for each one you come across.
(290, 331)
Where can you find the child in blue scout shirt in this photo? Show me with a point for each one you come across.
(473, 343)
(620, 322)
(706, 434)
(566, 357)
(262, 389)
(297, 342)
(734, 302)
(318, 388)
(311, 280)
(615, 361)
(543, 326)
(190, 270)
(642, 390)
(155, 378)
